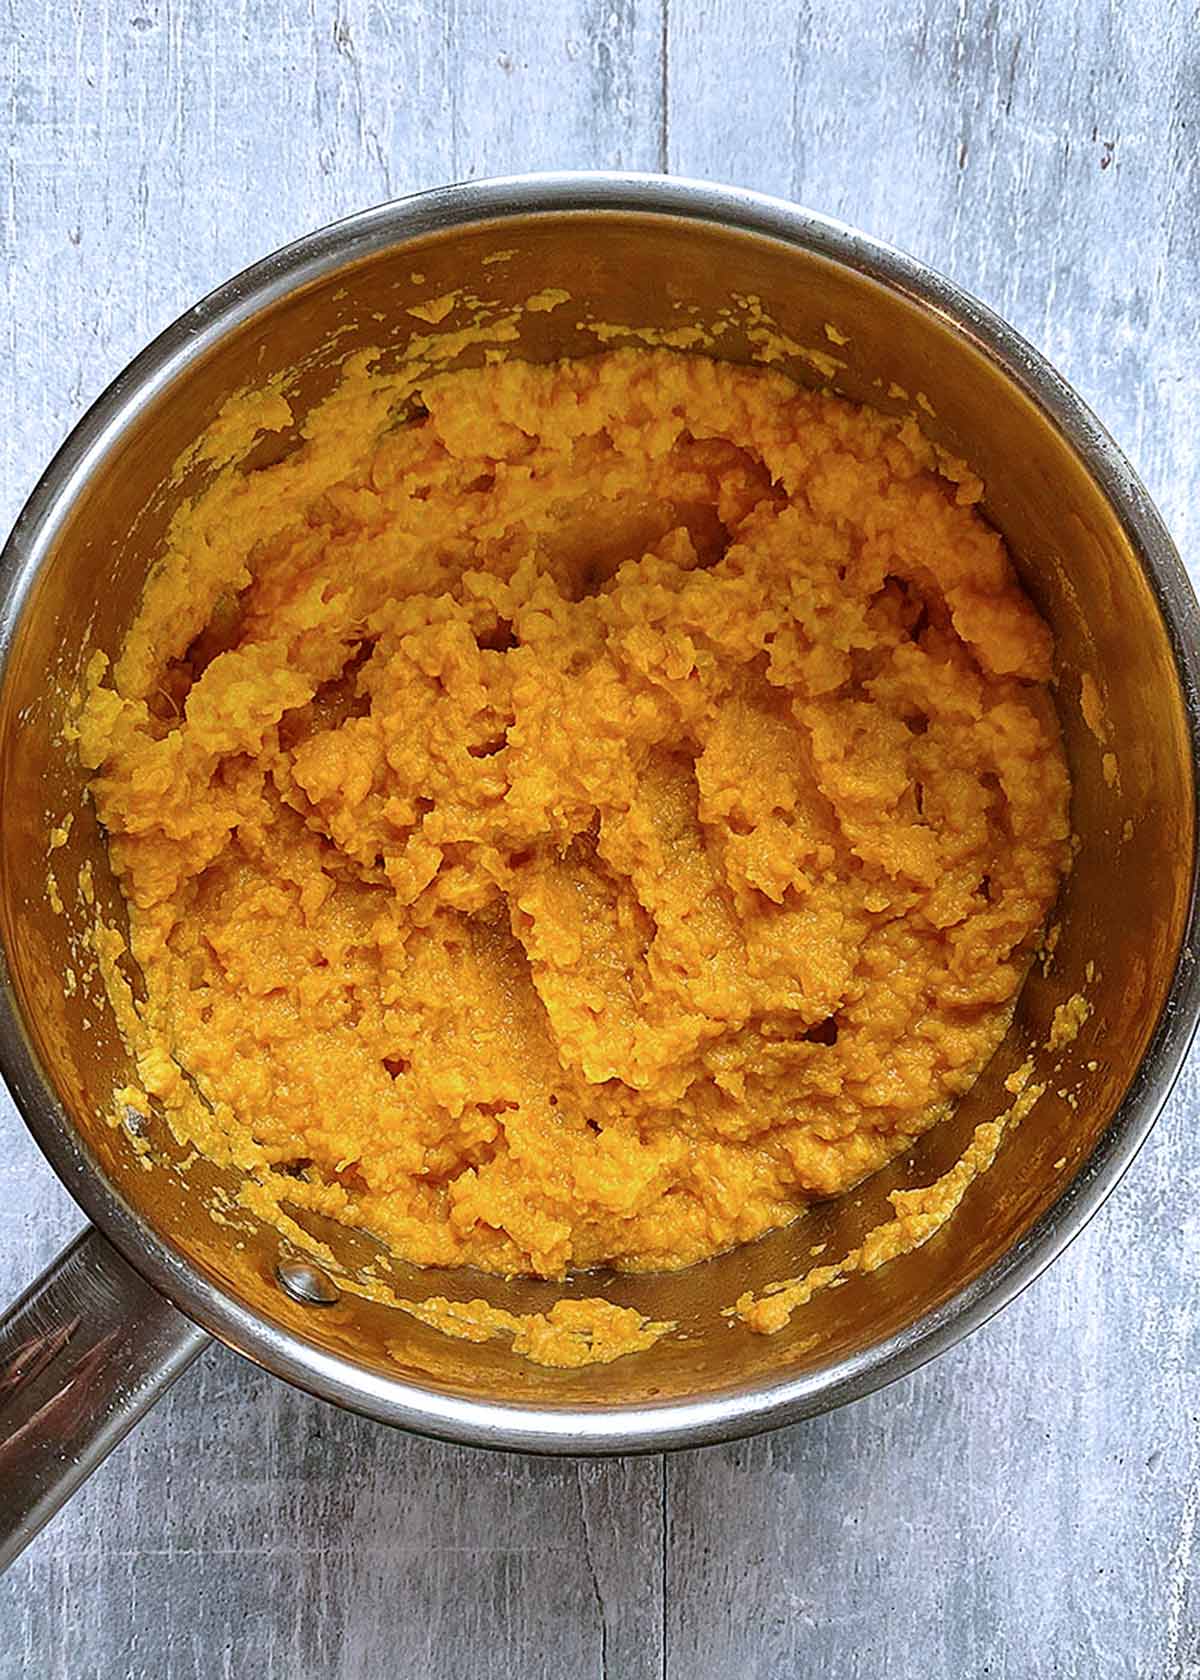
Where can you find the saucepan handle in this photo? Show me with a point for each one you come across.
(83, 1354)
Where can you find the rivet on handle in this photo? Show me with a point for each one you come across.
(306, 1283)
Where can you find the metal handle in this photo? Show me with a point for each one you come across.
(84, 1354)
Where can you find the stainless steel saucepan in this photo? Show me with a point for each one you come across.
(135, 1299)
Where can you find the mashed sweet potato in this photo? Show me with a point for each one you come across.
(587, 815)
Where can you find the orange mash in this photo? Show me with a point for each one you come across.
(585, 814)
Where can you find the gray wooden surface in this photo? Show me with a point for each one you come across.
(1028, 1505)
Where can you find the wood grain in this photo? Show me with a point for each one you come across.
(1028, 1505)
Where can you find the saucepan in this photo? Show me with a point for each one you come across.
(170, 1260)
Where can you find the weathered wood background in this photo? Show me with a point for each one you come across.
(1028, 1505)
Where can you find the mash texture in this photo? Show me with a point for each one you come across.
(584, 817)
